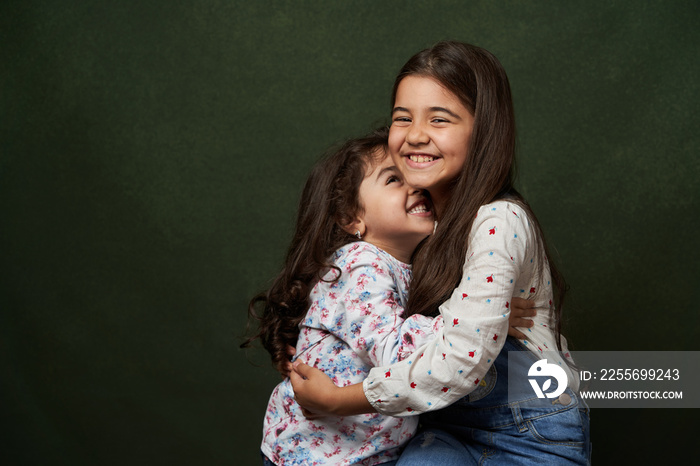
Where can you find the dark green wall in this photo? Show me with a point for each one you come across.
(151, 155)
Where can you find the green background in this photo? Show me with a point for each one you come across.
(151, 157)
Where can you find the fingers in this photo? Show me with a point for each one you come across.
(523, 303)
(302, 369)
(523, 312)
(286, 369)
(296, 379)
(308, 414)
(520, 322)
(514, 332)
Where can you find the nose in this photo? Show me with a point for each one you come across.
(417, 135)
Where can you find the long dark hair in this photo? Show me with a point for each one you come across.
(329, 200)
(478, 79)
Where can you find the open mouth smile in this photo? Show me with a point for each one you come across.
(420, 207)
(421, 158)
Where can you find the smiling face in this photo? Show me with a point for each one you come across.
(430, 133)
(396, 217)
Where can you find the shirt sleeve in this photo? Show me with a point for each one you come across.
(475, 322)
(368, 316)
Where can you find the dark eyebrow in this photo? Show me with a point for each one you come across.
(442, 109)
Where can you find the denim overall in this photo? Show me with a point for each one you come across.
(491, 426)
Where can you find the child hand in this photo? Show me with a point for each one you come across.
(285, 368)
(519, 310)
(313, 390)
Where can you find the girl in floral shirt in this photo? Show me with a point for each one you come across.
(340, 300)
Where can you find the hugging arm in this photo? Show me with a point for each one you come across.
(319, 396)
(476, 321)
(476, 318)
(366, 313)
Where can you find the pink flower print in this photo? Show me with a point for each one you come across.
(532, 290)
(387, 374)
(492, 231)
(347, 430)
(495, 336)
(464, 295)
(386, 438)
(445, 389)
(489, 279)
(472, 354)
(413, 385)
(507, 304)
(362, 282)
(317, 428)
(476, 382)
(455, 322)
(366, 309)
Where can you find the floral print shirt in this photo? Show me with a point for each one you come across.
(353, 324)
(502, 261)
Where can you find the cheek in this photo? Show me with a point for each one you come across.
(395, 141)
(456, 148)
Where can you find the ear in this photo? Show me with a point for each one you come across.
(356, 225)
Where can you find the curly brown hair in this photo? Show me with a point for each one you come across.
(329, 201)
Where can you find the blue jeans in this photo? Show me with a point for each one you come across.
(489, 427)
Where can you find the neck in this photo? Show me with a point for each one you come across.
(440, 199)
(399, 253)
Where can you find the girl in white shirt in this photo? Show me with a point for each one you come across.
(453, 134)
